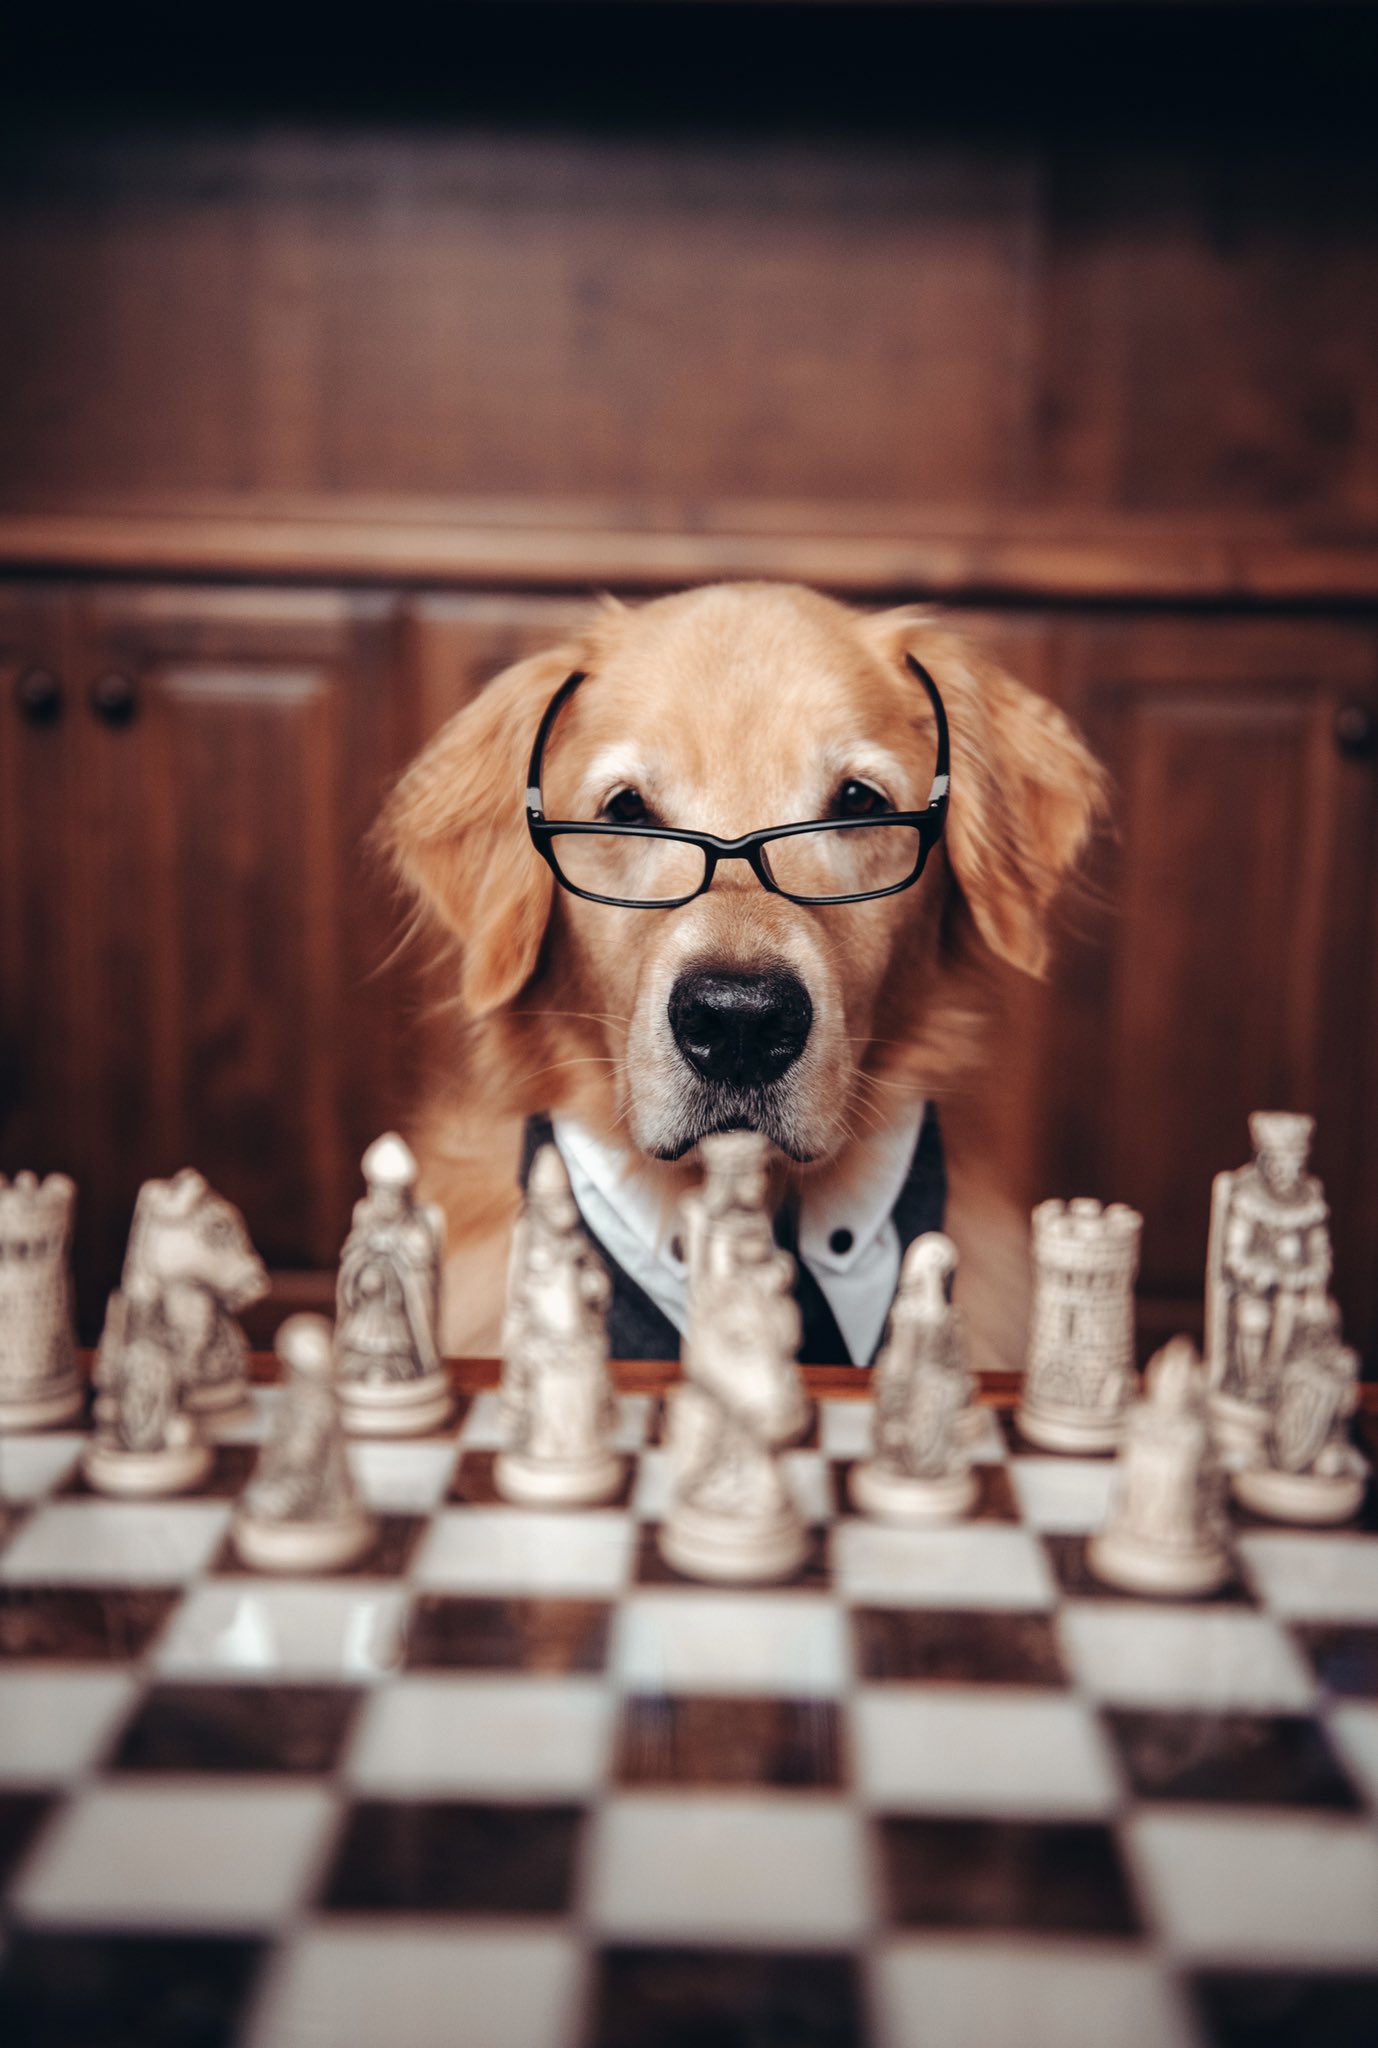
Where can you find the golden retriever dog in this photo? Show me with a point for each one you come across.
(825, 1025)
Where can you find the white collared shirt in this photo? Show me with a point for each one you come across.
(847, 1236)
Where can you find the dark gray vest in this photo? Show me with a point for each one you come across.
(638, 1329)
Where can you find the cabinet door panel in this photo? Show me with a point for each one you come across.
(236, 1016)
(1230, 971)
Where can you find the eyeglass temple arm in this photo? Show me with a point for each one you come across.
(551, 713)
(942, 771)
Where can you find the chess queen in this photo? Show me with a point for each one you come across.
(392, 1377)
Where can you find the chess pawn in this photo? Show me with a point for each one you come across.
(1079, 1379)
(732, 1516)
(558, 1397)
(146, 1443)
(39, 1382)
(1166, 1531)
(1306, 1469)
(391, 1376)
(189, 1269)
(1269, 1248)
(300, 1511)
(922, 1392)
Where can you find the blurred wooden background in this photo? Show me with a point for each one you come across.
(331, 382)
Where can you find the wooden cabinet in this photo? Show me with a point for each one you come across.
(1230, 964)
(199, 945)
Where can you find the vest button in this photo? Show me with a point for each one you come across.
(841, 1242)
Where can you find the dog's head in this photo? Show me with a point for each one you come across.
(729, 709)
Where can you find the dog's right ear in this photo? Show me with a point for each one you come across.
(455, 829)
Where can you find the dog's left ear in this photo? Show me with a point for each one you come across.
(1026, 790)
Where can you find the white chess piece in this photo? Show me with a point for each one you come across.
(732, 1516)
(300, 1511)
(558, 1397)
(392, 1379)
(922, 1391)
(1306, 1470)
(39, 1382)
(189, 1268)
(1269, 1248)
(147, 1443)
(1166, 1530)
(1079, 1379)
(727, 1231)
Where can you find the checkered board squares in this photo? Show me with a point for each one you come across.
(512, 1777)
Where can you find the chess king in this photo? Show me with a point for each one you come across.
(1269, 1250)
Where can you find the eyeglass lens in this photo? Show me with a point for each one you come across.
(845, 863)
(631, 869)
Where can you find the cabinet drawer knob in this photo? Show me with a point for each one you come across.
(38, 694)
(114, 698)
(1356, 732)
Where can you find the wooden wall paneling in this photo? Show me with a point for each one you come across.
(679, 322)
(1233, 971)
(427, 313)
(1210, 336)
(233, 1013)
(39, 1126)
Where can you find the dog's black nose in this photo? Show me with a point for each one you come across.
(740, 1029)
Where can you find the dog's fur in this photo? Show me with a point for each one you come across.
(730, 707)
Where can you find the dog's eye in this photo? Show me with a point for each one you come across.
(627, 807)
(859, 800)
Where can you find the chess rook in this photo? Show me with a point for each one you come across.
(1079, 1378)
(39, 1382)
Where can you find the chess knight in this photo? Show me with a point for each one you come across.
(557, 1397)
(39, 1382)
(1269, 1249)
(392, 1378)
(189, 1269)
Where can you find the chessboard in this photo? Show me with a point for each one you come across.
(511, 1783)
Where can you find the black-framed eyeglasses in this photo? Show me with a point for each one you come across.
(659, 867)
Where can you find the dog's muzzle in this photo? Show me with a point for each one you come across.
(740, 1031)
